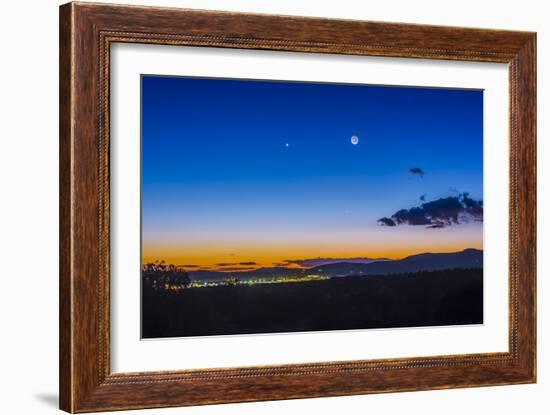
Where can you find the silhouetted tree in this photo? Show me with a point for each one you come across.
(159, 275)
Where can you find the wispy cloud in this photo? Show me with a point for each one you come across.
(231, 264)
(417, 171)
(236, 269)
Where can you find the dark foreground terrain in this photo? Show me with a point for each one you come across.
(435, 298)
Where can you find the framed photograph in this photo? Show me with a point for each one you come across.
(258, 207)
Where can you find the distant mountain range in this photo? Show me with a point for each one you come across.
(468, 258)
(316, 262)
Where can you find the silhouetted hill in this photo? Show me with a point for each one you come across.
(316, 262)
(469, 258)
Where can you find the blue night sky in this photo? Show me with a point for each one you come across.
(266, 171)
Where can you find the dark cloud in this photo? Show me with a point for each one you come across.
(437, 225)
(417, 170)
(189, 266)
(236, 269)
(412, 216)
(386, 222)
(423, 198)
(235, 266)
(439, 213)
(474, 207)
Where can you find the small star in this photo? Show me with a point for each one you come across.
(287, 145)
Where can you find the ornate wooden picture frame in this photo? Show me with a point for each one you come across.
(87, 32)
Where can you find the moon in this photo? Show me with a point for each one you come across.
(354, 140)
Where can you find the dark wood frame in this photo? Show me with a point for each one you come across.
(86, 33)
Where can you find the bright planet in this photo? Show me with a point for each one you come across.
(354, 139)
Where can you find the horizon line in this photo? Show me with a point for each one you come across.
(232, 268)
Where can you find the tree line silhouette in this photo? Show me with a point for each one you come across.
(159, 275)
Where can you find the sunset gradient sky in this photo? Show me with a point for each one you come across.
(238, 171)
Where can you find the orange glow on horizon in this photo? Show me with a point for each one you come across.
(264, 255)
